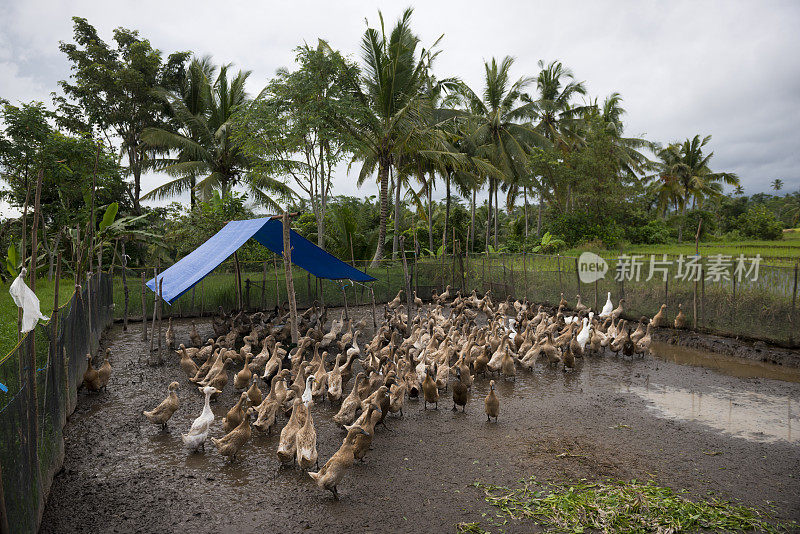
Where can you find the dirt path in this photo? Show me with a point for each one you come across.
(616, 419)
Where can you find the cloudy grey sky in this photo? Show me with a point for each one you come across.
(729, 69)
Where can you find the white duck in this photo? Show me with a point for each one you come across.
(307, 400)
(196, 438)
(584, 335)
(608, 307)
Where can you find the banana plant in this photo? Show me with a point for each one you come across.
(12, 260)
(549, 244)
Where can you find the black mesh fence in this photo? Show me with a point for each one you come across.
(760, 306)
(32, 418)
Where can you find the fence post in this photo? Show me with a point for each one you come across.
(703, 296)
(238, 279)
(125, 289)
(406, 279)
(155, 315)
(34, 393)
(694, 306)
(144, 311)
(263, 284)
(794, 307)
(202, 296)
(374, 320)
(247, 293)
(595, 296)
(287, 261)
(577, 276)
(483, 272)
(277, 285)
(560, 284)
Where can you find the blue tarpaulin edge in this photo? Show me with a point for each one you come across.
(185, 274)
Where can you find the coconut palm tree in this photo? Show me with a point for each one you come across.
(203, 145)
(777, 184)
(502, 132)
(389, 93)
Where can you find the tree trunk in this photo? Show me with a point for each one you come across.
(287, 261)
(137, 178)
(395, 240)
(489, 214)
(472, 224)
(429, 188)
(496, 214)
(525, 192)
(383, 174)
(446, 213)
(539, 218)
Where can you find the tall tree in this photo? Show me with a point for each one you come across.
(290, 128)
(503, 132)
(388, 92)
(112, 90)
(204, 146)
(777, 184)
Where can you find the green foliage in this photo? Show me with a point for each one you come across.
(113, 89)
(617, 506)
(12, 261)
(549, 244)
(579, 227)
(653, 232)
(760, 223)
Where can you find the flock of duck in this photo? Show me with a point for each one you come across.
(445, 345)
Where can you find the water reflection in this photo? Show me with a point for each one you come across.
(741, 413)
(729, 365)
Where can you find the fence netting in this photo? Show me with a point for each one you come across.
(760, 309)
(53, 356)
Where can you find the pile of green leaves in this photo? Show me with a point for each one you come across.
(616, 506)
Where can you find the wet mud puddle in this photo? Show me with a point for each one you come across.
(736, 411)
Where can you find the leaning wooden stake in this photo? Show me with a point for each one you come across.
(238, 273)
(287, 262)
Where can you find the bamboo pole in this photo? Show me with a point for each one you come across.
(287, 260)
(125, 287)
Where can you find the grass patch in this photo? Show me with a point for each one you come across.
(615, 506)
(785, 252)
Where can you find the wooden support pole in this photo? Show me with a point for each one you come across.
(287, 260)
(144, 309)
(33, 383)
(374, 312)
(160, 313)
(238, 280)
(558, 261)
(247, 293)
(577, 276)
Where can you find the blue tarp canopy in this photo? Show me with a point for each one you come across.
(268, 231)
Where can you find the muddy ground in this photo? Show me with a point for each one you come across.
(684, 426)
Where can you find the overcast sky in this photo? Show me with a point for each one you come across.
(728, 69)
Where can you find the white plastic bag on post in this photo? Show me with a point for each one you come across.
(27, 300)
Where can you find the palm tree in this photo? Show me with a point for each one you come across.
(738, 190)
(777, 184)
(389, 92)
(684, 175)
(502, 131)
(203, 143)
(559, 120)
